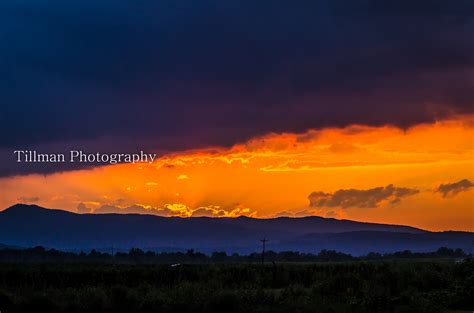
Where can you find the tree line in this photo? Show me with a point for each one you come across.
(135, 255)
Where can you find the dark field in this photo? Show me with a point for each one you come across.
(358, 286)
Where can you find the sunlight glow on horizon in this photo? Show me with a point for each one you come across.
(274, 174)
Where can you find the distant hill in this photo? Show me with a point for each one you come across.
(363, 242)
(2, 246)
(30, 225)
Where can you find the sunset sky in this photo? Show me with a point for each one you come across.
(345, 109)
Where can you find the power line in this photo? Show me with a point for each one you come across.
(264, 240)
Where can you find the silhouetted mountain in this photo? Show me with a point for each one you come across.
(2, 246)
(30, 225)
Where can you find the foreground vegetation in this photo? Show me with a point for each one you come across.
(354, 286)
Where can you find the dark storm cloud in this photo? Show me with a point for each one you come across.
(169, 75)
(452, 189)
(356, 198)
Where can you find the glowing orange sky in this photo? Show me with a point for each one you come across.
(276, 173)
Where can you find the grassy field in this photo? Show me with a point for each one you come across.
(377, 286)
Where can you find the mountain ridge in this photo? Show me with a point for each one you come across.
(36, 208)
(31, 225)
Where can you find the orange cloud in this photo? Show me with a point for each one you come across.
(169, 210)
(276, 173)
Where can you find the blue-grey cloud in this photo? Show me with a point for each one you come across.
(360, 198)
(452, 189)
(28, 199)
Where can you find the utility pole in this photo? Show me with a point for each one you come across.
(264, 240)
